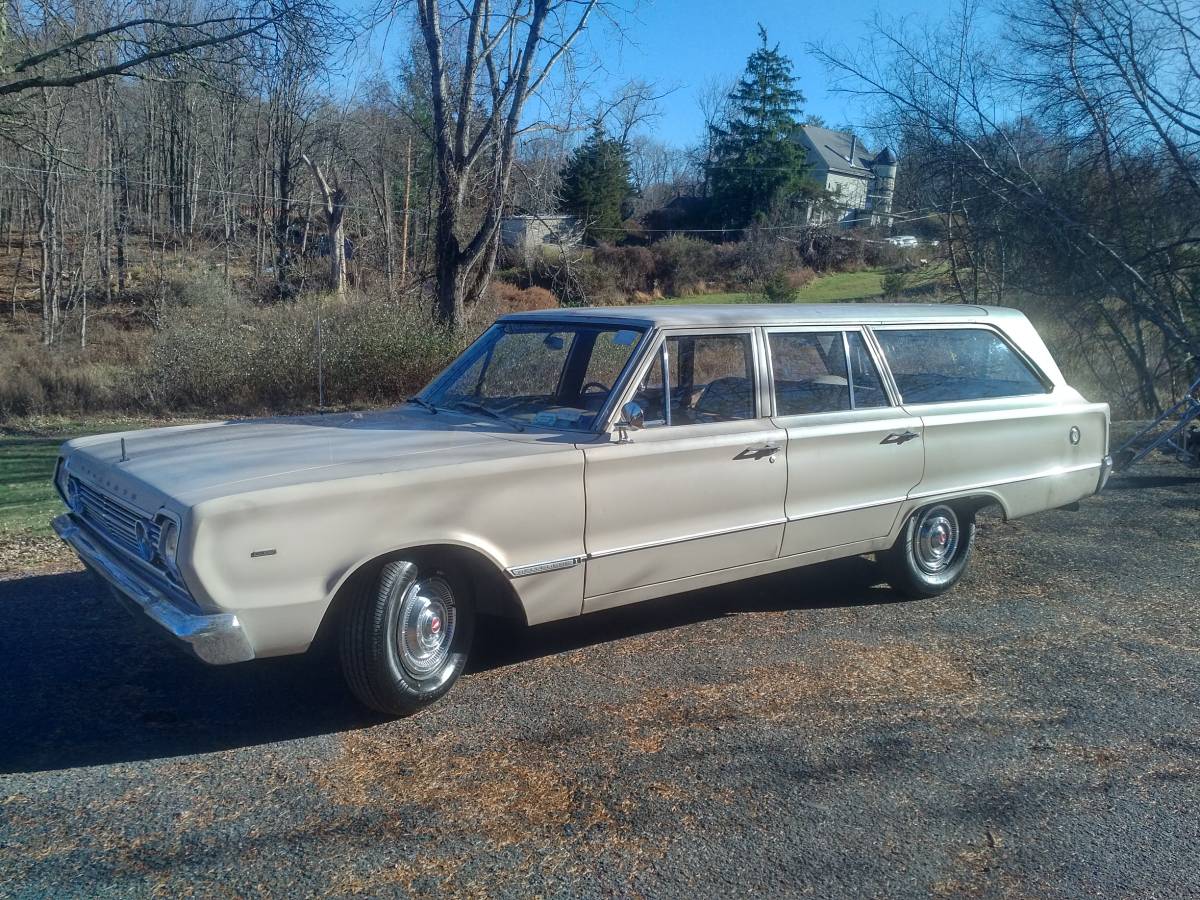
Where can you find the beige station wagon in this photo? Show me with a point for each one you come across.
(576, 460)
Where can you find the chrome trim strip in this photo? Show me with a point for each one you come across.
(216, 639)
(665, 357)
(849, 368)
(845, 509)
(600, 554)
(550, 565)
(1049, 473)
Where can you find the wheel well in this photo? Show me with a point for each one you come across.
(493, 593)
(975, 505)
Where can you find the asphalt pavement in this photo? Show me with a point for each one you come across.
(1034, 733)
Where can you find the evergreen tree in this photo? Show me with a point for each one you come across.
(596, 185)
(758, 162)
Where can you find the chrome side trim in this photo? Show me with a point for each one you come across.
(600, 554)
(845, 509)
(216, 639)
(550, 565)
(1049, 473)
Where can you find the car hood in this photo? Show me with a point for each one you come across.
(190, 463)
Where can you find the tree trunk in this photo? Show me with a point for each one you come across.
(335, 210)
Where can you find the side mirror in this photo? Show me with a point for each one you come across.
(632, 417)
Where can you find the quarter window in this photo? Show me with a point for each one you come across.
(936, 365)
(813, 375)
(709, 378)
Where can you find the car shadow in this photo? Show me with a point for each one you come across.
(1143, 482)
(85, 683)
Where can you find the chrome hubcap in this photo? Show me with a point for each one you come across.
(425, 626)
(935, 539)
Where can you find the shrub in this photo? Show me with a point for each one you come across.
(576, 280)
(267, 359)
(633, 268)
(893, 284)
(778, 288)
(683, 265)
(35, 380)
(201, 289)
(502, 297)
(534, 298)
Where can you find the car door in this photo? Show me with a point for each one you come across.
(990, 417)
(852, 454)
(701, 487)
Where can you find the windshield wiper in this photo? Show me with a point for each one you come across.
(421, 401)
(490, 413)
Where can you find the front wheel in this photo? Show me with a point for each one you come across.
(932, 551)
(407, 637)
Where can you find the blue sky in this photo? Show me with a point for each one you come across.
(681, 44)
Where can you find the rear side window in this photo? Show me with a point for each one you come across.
(811, 373)
(936, 365)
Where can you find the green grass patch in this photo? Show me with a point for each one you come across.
(826, 289)
(833, 288)
(27, 453)
(842, 286)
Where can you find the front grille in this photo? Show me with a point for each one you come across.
(113, 519)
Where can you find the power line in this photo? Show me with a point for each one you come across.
(163, 186)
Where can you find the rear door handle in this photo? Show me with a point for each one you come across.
(902, 438)
(768, 450)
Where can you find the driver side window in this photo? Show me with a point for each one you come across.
(708, 378)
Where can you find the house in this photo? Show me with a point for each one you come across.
(523, 236)
(861, 183)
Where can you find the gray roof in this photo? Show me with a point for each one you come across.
(715, 314)
(832, 149)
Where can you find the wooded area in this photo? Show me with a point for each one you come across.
(178, 168)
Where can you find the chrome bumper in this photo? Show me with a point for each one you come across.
(1106, 467)
(216, 639)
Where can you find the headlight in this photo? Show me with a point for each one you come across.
(168, 543)
(61, 478)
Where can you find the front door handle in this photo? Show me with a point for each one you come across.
(902, 438)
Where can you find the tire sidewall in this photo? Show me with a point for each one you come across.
(407, 688)
(936, 582)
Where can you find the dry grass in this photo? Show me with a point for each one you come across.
(538, 797)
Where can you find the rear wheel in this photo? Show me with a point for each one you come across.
(407, 637)
(932, 551)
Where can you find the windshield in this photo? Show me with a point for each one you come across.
(552, 375)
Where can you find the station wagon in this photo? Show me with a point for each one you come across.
(576, 460)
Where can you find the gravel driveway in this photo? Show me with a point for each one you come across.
(1034, 733)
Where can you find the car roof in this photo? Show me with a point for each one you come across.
(734, 314)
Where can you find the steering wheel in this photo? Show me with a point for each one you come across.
(596, 384)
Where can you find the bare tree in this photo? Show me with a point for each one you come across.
(484, 65)
(1079, 202)
(335, 210)
(38, 58)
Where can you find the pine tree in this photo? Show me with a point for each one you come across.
(596, 185)
(758, 162)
